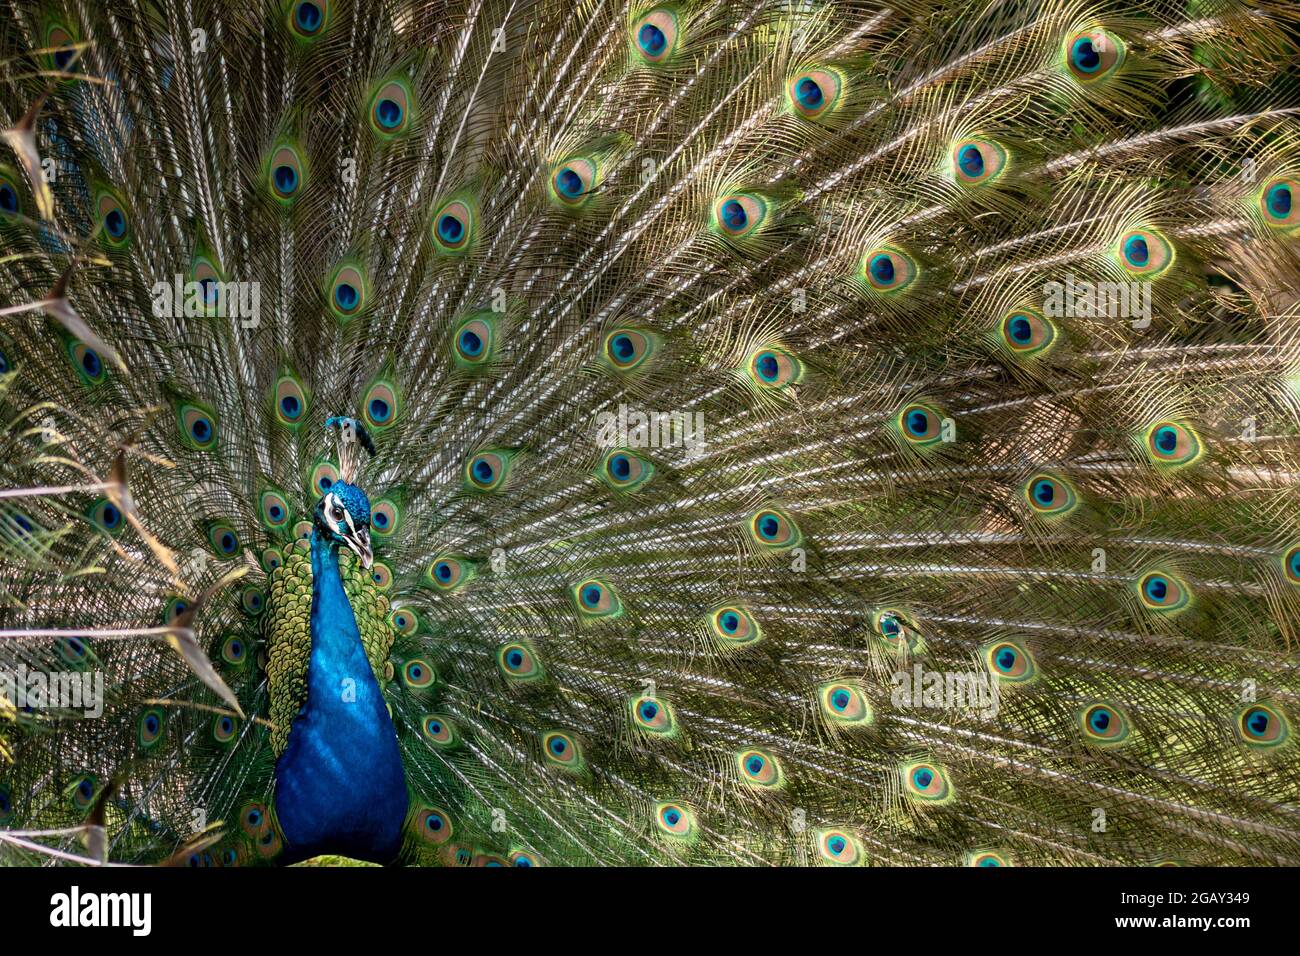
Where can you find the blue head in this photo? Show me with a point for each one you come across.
(343, 517)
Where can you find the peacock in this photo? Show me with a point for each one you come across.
(650, 432)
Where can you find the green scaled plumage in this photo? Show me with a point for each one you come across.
(837, 433)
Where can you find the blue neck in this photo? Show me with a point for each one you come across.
(339, 786)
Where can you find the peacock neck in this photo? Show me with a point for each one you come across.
(340, 787)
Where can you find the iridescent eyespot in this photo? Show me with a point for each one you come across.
(1171, 444)
(1093, 55)
(891, 625)
(308, 18)
(151, 727)
(61, 44)
(381, 575)
(815, 93)
(888, 270)
(453, 227)
(488, 470)
(385, 518)
(113, 218)
(759, 768)
(197, 426)
(6, 805)
(107, 516)
(1103, 724)
(475, 341)
(1291, 565)
(405, 621)
(347, 292)
(626, 349)
(925, 782)
(987, 858)
(271, 558)
(252, 600)
(224, 540)
(273, 509)
(525, 859)
(254, 819)
(734, 626)
(838, 847)
(572, 181)
(1144, 252)
(624, 470)
(1260, 725)
(391, 108)
(447, 573)
(269, 844)
(82, 792)
(653, 715)
(290, 400)
(1163, 592)
(920, 425)
(772, 528)
(10, 204)
(324, 475)
(224, 728)
(433, 825)
(285, 173)
(676, 821)
(302, 530)
(234, 650)
(1010, 662)
(739, 214)
(977, 161)
(1026, 332)
(381, 406)
(518, 662)
(1276, 203)
(774, 368)
(562, 750)
(89, 366)
(655, 36)
(1050, 496)
(439, 731)
(596, 598)
(418, 674)
(844, 704)
(174, 608)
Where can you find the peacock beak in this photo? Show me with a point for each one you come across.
(359, 541)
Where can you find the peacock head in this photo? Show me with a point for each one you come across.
(343, 516)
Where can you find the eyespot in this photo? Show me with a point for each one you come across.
(655, 36)
(676, 821)
(453, 226)
(1093, 55)
(114, 219)
(252, 600)
(82, 792)
(815, 93)
(289, 400)
(231, 856)
(1049, 496)
(285, 173)
(107, 516)
(174, 608)
(391, 108)
(739, 214)
(774, 368)
(892, 625)
(977, 161)
(348, 291)
(385, 518)
(1169, 443)
(625, 349)
(418, 674)
(58, 36)
(925, 782)
(1144, 252)
(271, 559)
(1026, 333)
(475, 341)
(1276, 203)
(273, 509)
(1163, 592)
(838, 847)
(449, 573)
(920, 425)
(734, 625)
(10, 202)
(224, 540)
(562, 750)
(772, 528)
(151, 728)
(234, 650)
(433, 825)
(843, 704)
(439, 731)
(1260, 725)
(382, 575)
(653, 715)
(572, 181)
(1010, 662)
(596, 598)
(487, 471)
(6, 805)
(624, 470)
(759, 768)
(224, 728)
(254, 819)
(987, 858)
(302, 530)
(518, 662)
(1291, 565)
(269, 844)
(525, 858)
(308, 18)
(87, 363)
(381, 406)
(888, 270)
(197, 425)
(1104, 724)
(324, 476)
